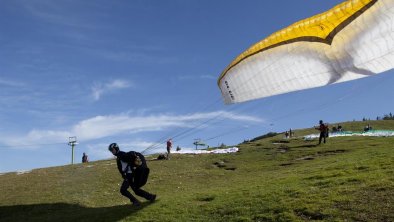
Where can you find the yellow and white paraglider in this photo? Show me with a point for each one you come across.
(354, 39)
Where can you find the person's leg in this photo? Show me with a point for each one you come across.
(142, 193)
(139, 179)
(320, 138)
(126, 193)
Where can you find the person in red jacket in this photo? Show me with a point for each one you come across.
(169, 146)
(323, 128)
(132, 166)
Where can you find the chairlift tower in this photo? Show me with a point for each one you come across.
(72, 141)
(198, 142)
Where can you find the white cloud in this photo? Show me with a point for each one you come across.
(56, 13)
(99, 89)
(193, 77)
(143, 54)
(35, 139)
(208, 77)
(116, 125)
(99, 151)
(10, 83)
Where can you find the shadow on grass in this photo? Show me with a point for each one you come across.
(66, 212)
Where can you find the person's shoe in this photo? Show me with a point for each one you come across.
(136, 203)
(153, 198)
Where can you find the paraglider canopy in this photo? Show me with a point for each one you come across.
(350, 41)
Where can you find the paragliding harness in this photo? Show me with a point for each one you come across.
(140, 171)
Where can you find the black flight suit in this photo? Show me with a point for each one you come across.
(135, 175)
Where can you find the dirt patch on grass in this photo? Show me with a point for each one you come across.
(306, 214)
(225, 165)
(306, 158)
(305, 146)
(323, 153)
(220, 164)
(283, 149)
(280, 141)
(286, 164)
(206, 198)
(331, 152)
(362, 168)
(230, 168)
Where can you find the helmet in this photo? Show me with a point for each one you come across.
(113, 146)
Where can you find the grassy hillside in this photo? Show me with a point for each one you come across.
(273, 179)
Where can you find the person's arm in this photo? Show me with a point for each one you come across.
(119, 164)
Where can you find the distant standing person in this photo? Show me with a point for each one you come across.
(323, 131)
(169, 146)
(85, 158)
(132, 166)
(367, 128)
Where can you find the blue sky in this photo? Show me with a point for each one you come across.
(138, 72)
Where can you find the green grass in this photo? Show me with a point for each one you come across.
(346, 179)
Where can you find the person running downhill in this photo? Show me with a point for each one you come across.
(132, 166)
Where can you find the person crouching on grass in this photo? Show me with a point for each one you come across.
(132, 166)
